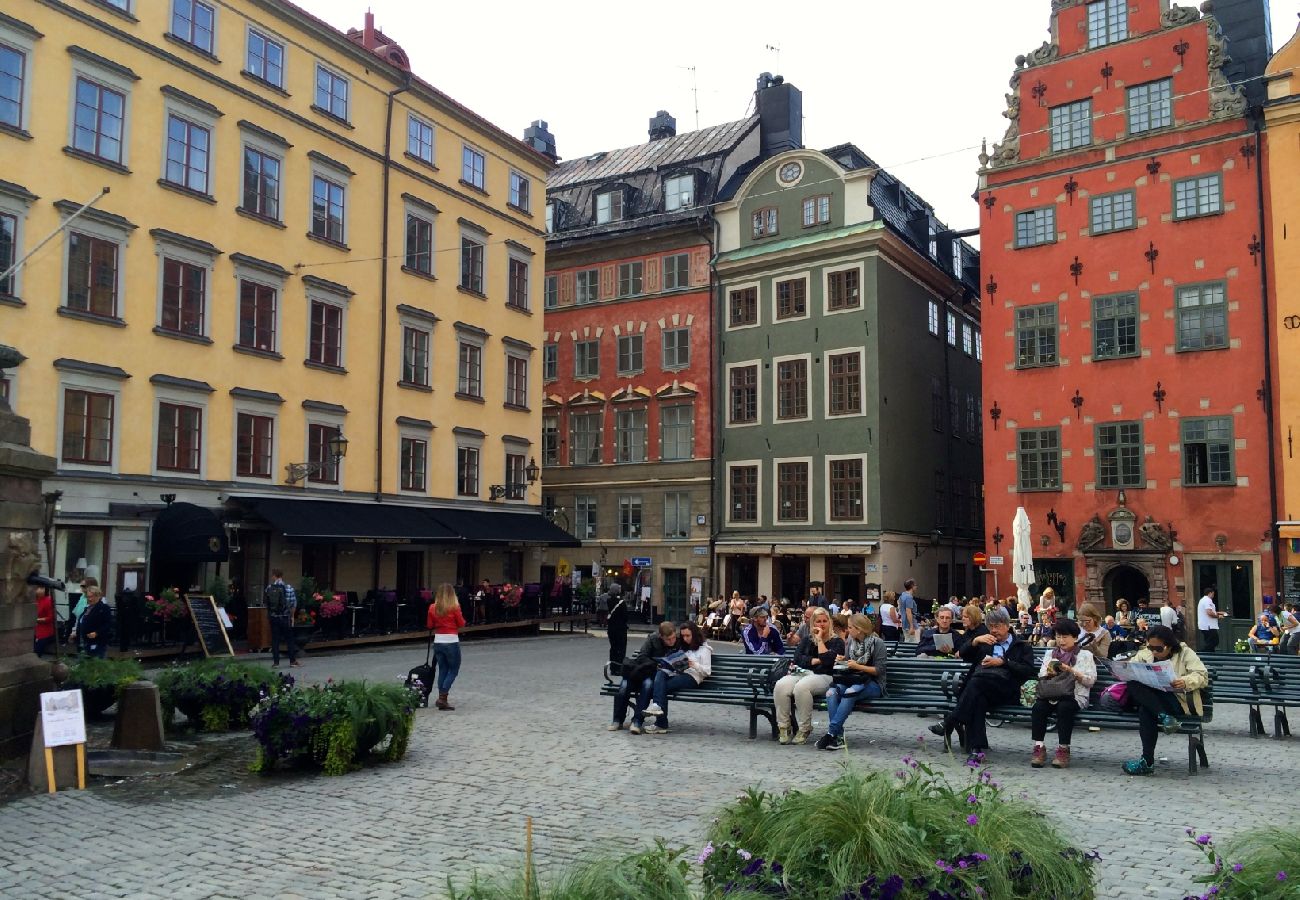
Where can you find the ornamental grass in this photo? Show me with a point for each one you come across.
(1260, 864)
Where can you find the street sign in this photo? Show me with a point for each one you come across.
(981, 559)
(996, 561)
(641, 562)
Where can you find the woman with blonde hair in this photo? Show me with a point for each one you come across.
(859, 675)
(445, 621)
(810, 676)
(1094, 637)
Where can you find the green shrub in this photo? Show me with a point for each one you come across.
(658, 874)
(216, 694)
(91, 673)
(1261, 864)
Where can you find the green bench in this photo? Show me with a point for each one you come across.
(1257, 680)
(728, 685)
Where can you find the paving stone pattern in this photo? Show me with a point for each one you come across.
(528, 738)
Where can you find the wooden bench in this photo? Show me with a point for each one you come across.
(1257, 680)
(728, 685)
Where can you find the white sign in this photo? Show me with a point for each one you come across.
(129, 581)
(63, 719)
(997, 561)
(700, 551)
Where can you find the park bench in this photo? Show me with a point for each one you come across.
(728, 685)
(1257, 680)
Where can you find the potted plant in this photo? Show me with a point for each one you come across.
(169, 606)
(101, 680)
(216, 694)
(331, 614)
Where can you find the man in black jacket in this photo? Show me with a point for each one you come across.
(95, 625)
(657, 644)
(943, 622)
(1000, 664)
(616, 625)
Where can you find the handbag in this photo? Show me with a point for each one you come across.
(1056, 687)
(776, 673)
(1115, 698)
(637, 669)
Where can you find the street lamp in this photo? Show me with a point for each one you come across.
(918, 548)
(336, 448)
(532, 471)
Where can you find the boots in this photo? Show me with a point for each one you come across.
(442, 702)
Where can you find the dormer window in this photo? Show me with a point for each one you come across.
(679, 192)
(550, 218)
(609, 207)
(765, 222)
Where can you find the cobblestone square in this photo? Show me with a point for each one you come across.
(528, 739)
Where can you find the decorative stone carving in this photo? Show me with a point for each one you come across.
(1040, 57)
(1091, 534)
(1058, 5)
(1154, 535)
(1227, 100)
(21, 558)
(1179, 15)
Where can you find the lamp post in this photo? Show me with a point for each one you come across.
(53, 506)
(336, 448)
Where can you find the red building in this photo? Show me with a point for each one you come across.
(1125, 370)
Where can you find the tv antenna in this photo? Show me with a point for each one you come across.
(775, 48)
(695, 93)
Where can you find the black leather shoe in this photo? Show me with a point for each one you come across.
(939, 729)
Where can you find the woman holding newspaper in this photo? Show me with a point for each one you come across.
(1178, 667)
(681, 670)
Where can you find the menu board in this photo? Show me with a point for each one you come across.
(207, 624)
(63, 718)
(1291, 584)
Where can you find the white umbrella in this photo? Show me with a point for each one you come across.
(1022, 555)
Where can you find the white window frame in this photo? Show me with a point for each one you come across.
(593, 282)
(479, 340)
(409, 433)
(550, 217)
(861, 352)
(99, 384)
(776, 389)
(105, 77)
(687, 403)
(269, 38)
(512, 257)
(517, 178)
(806, 278)
(932, 318)
(619, 444)
(479, 179)
(335, 75)
(254, 407)
(425, 328)
(25, 44)
(758, 305)
(586, 516)
(826, 488)
(96, 228)
(673, 192)
(340, 178)
(411, 120)
(425, 213)
(776, 489)
(327, 420)
(249, 139)
(216, 26)
(681, 503)
(826, 290)
(165, 248)
(631, 528)
(758, 500)
(245, 272)
(18, 206)
(550, 292)
(605, 199)
(478, 237)
(518, 355)
(756, 364)
(195, 115)
(317, 294)
(198, 398)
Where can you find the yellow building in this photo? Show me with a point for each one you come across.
(264, 233)
(1282, 120)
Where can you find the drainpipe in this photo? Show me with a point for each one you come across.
(1273, 531)
(383, 290)
(715, 307)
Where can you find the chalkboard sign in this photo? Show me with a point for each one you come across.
(1291, 584)
(207, 624)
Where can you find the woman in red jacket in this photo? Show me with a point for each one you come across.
(446, 621)
(44, 635)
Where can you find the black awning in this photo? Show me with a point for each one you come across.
(183, 532)
(475, 526)
(329, 521)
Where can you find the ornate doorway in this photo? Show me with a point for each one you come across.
(1107, 572)
(1128, 583)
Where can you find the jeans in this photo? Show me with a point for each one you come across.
(282, 629)
(665, 682)
(973, 705)
(840, 699)
(446, 658)
(643, 689)
(803, 690)
(1064, 709)
(1209, 640)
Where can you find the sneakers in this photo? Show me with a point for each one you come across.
(296, 664)
(634, 728)
(1168, 724)
(802, 736)
(1038, 758)
(655, 729)
(824, 742)
(782, 735)
(653, 710)
(1138, 767)
(837, 743)
(614, 726)
(1062, 758)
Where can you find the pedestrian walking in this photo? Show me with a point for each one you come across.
(616, 625)
(95, 624)
(43, 636)
(446, 621)
(281, 601)
(907, 608)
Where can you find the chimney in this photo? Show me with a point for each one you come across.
(539, 137)
(780, 114)
(662, 126)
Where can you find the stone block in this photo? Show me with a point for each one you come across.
(65, 763)
(139, 723)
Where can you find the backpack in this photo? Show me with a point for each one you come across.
(275, 599)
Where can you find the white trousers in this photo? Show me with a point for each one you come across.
(804, 689)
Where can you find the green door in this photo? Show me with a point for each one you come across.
(675, 594)
(1234, 581)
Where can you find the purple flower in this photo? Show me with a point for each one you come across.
(705, 853)
(980, 857)
(777, 868)
(744, 854)
(1202, 839)
(1237, 867)
(942, 866)
(963, 864)
(972, 819)
(971, 798)
(1214, 890)
(1189, 832)
(1281, 876)
(892, 887)
(754, 867)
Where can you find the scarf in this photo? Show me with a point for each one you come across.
(1067, 656)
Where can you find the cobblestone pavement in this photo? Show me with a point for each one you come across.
(528, 738)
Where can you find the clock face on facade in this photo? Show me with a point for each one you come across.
(790, 173)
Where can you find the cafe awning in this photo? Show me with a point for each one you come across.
(334, 521)
(481, 526)
(183, 532)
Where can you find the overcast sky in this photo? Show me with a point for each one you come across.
(915, 84)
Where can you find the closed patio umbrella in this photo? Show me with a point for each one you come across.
(1022, 555)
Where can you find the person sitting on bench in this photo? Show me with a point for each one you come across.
(657, 644)
(1157, 709)
(859, 674)
(759, 638)
(689, 673)
(943, 625)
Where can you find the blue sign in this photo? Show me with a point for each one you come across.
(641, 562)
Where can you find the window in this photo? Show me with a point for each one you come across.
(419, 245)
(845, 373)
(816, 211)
(92, 274)
(471, 264)
(629, 517)
(792, 491)
(256, 316)
(550, 362)
(972, 418)
(253, 442)
(677, 348)
(1107, 22)
(180, 437)
(1113, 212)
(419, 138)
(265, 58)
(792, 389)
(1150, 106)
(516, 480)
(517, 284)
(679, 192)
(99, 120)
(550, 218)
(325, 344)
(940, 498)
(967, 339)
(952, 329)
(630, 435)
(467, 471)
(954, 410)
(187, 154)
(1119, 455)
(630, 279)
(331, 92)
(585, 438)
(936, 403)
(414, 464)
(677, 515)
(1071, 125)
(842, 289)
(8, 251)
(743, 484)
(550, 440)
(1036, 336)
(631, 356)
(744, 395)
(846, 489)
(473, 167)
(932, 318)
(261, 184)
(1038, 459)
(677, 271)
(584, 507)
(1200, 196)
(586, 359)
(743, 307)
(765, 222)
(1202, 316)
(318, 452)
(979, 345)
(13, 74)
(519, 192)
(1035, 227)
(1207, 451)
(609, 207)
(792, 299)
(87, 428)
(415, 356)
(676, 432)
(587, 283)
(183, 297)
(1115, 326)
(327, 209)
(550, 292)
(469, 381)
(517, 382)
(192, 22)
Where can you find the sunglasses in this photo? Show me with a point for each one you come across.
(1157, 648)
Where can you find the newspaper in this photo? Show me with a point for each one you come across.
(1158, 675)
(942, 642)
